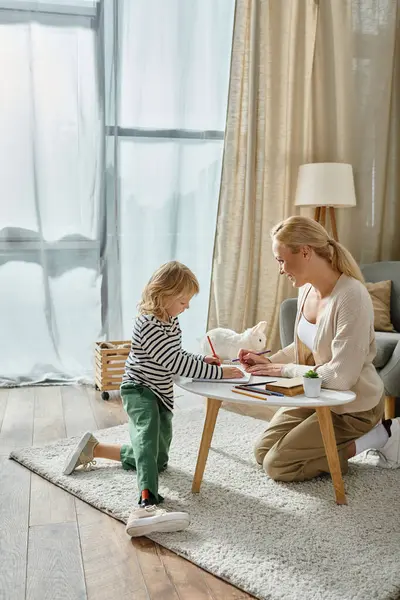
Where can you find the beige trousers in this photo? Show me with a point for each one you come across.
(291, 449)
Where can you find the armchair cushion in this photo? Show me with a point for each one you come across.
(380, 296)
(383, 271)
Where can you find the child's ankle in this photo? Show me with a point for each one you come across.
(97, 451)
(145, 500)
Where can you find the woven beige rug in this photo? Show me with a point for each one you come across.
(276, 541)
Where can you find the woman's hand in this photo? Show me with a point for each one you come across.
(270, 369)
(212, 360)
(249, 358)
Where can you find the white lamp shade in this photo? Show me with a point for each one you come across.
(325, 184)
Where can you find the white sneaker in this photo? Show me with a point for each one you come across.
(151, 519)
(82, 454)
(389, 455)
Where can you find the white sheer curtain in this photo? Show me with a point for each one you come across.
(49, 203)
(112, 117)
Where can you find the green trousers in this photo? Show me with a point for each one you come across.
(150, 430)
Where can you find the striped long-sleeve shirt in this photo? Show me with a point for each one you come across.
(156, 356)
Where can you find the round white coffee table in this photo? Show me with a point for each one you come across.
(218, 392)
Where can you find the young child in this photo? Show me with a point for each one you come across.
(147, 394)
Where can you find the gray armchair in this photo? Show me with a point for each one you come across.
(387, 360)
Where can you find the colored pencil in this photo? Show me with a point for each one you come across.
(260, 383)
(251, 395)
(266, 392)
(258, 354)
(211, 346)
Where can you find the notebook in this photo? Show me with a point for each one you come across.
(245, 379)
(288, 386)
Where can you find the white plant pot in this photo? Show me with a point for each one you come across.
(312, 386)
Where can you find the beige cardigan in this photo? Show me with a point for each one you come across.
(344, 346)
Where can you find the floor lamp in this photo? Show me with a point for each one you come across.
(326, 186)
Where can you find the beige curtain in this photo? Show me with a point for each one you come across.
(267, 138)
(311, 81)
(355, 114)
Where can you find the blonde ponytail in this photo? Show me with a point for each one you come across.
(296, 232)
(342, 260)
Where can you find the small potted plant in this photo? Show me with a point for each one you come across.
(312, 384)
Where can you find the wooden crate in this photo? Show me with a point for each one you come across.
(110, 366)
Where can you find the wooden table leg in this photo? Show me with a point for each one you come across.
(213, 407)
(328, 436)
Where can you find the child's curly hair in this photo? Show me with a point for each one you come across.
(170, 280)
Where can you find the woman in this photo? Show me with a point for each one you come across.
(334, 332)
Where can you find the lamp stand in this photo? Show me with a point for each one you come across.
(320, 216)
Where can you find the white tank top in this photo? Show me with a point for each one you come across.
(306, 332)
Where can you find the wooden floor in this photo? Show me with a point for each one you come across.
(54, 546)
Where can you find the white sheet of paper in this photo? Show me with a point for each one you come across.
(245, 379)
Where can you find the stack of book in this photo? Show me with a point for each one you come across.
(281, 387)
(286, 386)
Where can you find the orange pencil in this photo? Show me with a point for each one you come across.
(212, 347)
(251, 395)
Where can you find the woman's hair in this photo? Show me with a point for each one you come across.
(167, 283)
(296, 232)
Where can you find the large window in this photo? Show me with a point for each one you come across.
(170, 100)
(112, 117)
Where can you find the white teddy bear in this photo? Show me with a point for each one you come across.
(227, 342)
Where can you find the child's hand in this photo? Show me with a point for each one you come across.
(231, 373)
(212, 360)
